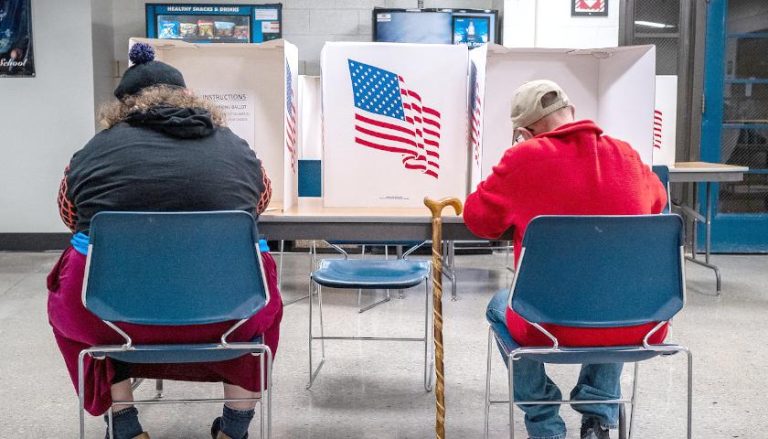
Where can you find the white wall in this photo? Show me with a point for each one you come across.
(46, 118)
(104, 68)
(548, 23)
(306, 23)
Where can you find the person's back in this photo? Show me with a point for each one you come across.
(562, 167)
(165, 159)
(573, 170)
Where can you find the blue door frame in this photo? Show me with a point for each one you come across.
(731, 232)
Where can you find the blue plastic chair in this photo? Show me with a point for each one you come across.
(662, 171)
(366, 274)
(596, 272)
(177, 269)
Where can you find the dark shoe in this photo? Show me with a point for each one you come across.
(591, 429)
(216, 432)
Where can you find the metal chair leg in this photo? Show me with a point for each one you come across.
(622, 421)
(487, 403)
(690, 394)
(360, 290)
(313, 372)
(510, 378)
(110, 423)
(81, 392)
(280, 267)
(158, 389)
(386, 299)
(270, 361)
(311, 268)
(262, 427)
(634, 400)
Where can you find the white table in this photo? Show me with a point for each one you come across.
(707, 173)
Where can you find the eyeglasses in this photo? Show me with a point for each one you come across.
(518, 135)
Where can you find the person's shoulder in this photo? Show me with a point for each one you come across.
(530, 149)
(621, 145)
(226, 137)
(106, 138)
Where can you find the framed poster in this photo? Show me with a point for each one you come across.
(589, 8)
(16, 54)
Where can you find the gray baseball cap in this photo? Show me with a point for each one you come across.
(527, 107)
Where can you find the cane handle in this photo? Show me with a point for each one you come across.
(437, 206)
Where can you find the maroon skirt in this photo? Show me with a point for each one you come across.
(76, 328)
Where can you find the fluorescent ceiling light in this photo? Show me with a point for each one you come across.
(654, 24)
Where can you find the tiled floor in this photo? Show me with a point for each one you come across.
(374, 389)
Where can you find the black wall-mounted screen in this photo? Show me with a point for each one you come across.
(472, 27)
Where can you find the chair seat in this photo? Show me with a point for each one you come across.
(177, 353)
(586, 355)
(367, 274)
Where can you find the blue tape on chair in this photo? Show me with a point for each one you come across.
(80, 242)
(310, 178)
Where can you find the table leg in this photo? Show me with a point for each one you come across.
(707, 237)
(695, 235)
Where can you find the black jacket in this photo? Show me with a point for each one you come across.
(166, 159)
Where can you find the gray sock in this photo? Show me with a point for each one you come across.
(234, 423)
(125, 423)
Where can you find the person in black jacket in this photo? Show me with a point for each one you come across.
(162, 149)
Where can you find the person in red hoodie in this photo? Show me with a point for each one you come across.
(560, 166)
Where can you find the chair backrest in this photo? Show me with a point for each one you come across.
(662, 171)
(174, 268)
(600, 271)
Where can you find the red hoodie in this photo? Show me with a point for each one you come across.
(573, 170)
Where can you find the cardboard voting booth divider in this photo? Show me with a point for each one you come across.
(394, 123)
(612, 86)
(256, 85)
(665, 121)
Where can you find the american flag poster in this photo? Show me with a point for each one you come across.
(292, 139)
(291, 118)
(395, 123)
(477, 66)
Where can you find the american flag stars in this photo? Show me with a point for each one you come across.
(376, 90)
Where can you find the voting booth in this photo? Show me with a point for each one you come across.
(394, 123)
(612, 86)
(665, 121)
(256, 85)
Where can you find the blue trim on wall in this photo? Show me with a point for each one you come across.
(310, 178)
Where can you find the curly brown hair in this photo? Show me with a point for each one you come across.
(115, 112)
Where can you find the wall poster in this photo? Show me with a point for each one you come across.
(16, 54)
(589, 8)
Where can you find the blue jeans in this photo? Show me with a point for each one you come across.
(596, 382)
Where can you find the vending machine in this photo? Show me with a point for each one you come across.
(199, 23)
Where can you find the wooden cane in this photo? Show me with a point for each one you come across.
(436, 207)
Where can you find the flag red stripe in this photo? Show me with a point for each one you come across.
(384, 136)
(383, 124)
(431, 111)
(382, 147)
